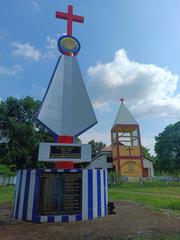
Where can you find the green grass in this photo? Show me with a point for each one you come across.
(167, 236)
(158, 195)
(155, 237)
(153, 194)
(6, 194)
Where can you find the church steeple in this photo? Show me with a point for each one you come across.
(126, 144)
(124, 116)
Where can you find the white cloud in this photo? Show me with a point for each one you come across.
(149, 89)
(148, 142)
(51, 47)
(15, 69)
(98, 136)
(26, 50)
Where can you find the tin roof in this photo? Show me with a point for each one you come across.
(107, 149)
(124, 116)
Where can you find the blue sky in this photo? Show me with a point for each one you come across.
(129, 48)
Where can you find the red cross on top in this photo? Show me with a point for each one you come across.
(70, 18)
(122, 100)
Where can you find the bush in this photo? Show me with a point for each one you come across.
(7, 170)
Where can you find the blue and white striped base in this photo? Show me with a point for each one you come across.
(94, 195)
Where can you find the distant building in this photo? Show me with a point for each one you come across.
(104, 160)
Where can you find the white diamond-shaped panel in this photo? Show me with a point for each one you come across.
(66, 108)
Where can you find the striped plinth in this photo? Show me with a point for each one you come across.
(94, 195)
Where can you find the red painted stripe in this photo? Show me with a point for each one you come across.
(65, 139)
(64, 165)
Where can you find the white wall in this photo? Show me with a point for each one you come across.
(100, 162)
(148, 164)
(4, 180)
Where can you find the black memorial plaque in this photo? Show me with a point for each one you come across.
(60, 194)
(65, 152)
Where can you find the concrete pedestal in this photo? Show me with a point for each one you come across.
(93, 202)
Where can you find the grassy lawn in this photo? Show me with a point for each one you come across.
(156, 237)
(158, 195)
(6, 194)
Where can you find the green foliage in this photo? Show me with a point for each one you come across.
(147, 154)
(6, 194)
(167, 148)
(78, 140)
(20, 134)
(96, 147)
(7, 170)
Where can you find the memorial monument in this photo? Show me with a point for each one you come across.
(64, 193)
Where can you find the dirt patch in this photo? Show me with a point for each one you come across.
(130, 220)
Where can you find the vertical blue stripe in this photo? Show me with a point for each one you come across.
(50, 219)
(19, 193)
(79, 217)
(35, 199)
(65, 218)
(37, 219)
(55, 138)
(105, 189)
(26, 194)
(99, 192)
(90, 194)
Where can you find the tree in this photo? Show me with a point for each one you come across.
(167, 148)
(7, 170)
(20, 133)
(78, 140)
(96, 147)
(146, 153)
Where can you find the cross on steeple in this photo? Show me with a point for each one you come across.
(70, 18)
(129, 149)
(122, 100)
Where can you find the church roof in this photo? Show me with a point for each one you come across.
(107, 149)
(124, 116)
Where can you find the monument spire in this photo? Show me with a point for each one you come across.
(66, 111)
(70, 18)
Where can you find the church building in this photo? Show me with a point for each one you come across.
(125, 152)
